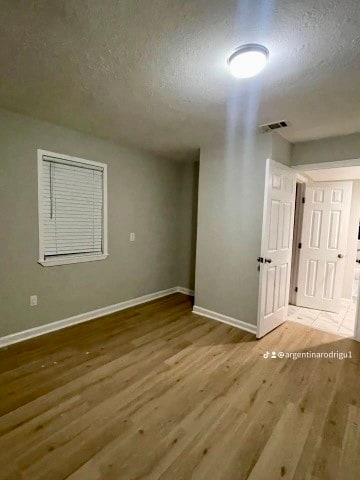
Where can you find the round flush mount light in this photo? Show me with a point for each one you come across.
(248, 60)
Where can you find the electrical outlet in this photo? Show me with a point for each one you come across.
(33, 300)
(132, 237)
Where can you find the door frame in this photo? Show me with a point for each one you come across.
(335, 164)
(298, 216)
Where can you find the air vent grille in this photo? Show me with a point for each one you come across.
(269, 127)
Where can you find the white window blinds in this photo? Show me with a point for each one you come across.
(72, 208)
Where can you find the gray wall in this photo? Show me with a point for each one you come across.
(231, 196)
(281, 149)
(346, 147)
(189, 179)
(145, 196)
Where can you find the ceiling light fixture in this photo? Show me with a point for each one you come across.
(248, 60)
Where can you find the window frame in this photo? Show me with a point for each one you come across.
(71, 258)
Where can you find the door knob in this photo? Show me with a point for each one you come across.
(340, 255)
(268, 260)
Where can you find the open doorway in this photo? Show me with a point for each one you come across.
(326, 250)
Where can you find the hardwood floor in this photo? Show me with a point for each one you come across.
(156, 392)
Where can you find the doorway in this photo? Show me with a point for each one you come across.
(325, 272)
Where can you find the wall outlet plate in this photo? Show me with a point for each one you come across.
(132, 237)
(33, 300)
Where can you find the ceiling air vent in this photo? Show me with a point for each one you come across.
(269, 127)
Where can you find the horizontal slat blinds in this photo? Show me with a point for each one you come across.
(72, 208)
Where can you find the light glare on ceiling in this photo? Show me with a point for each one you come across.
(248, 60)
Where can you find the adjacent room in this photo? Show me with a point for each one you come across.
(326, 228)
(179, 268)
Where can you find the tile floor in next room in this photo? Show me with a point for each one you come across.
(342, 323)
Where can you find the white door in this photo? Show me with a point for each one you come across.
(323, 245)
(276, 246)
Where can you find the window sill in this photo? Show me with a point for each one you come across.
(72, 259)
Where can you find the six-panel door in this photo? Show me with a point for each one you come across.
(324, 243)
(276, 247)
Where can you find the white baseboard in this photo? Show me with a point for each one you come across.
(85, 317)
(248, 327)
(185, 291)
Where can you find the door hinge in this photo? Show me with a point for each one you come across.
(296, 289)
(300, 245)
(260, 259)
(303, 199)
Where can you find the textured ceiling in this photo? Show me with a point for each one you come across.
(152, 73)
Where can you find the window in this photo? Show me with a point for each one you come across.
(72, 209)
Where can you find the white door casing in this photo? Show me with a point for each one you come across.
(276, 246)
(323, 245)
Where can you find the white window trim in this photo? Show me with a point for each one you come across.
(71, 258)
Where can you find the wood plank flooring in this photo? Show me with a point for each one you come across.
(156, 392)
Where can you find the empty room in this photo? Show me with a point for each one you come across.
(180, 240)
